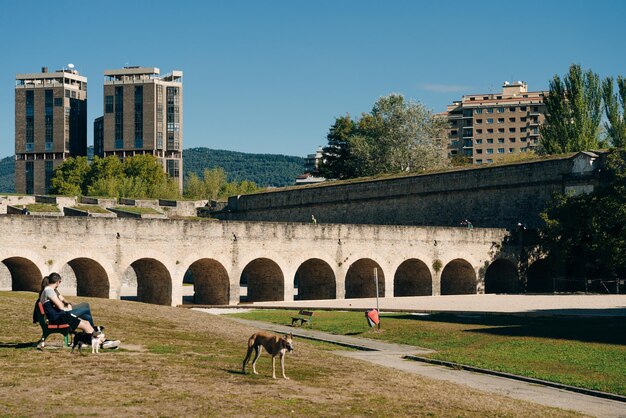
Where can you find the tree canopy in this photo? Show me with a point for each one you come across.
(213, 185)
(398, 135)
(573, 113)
(615, 108)
(587, 232)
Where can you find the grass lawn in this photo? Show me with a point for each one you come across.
(179, 362)
(585, 352)
(42, 207)
(91, 208)
(140, 210)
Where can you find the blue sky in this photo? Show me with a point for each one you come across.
(271, 76)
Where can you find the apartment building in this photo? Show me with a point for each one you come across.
(487, 127)
(143, 114)
(50, 125)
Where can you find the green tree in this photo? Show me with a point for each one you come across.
(337, 161)
(587, 233)
(396, 136)
(573, 113)
(70, 177)
(615, 108)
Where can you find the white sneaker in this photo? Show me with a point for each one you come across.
(112, 344)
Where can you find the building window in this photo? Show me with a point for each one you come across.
(500, 140)
(512, 139)
(454, 133)
(501, 130)
(479, 131)
(479, 151)
(500, 120)
(490, 140)
(490, 110)
(524, 119)
(489, 150)
(138, 116)
(523, 108)
(58, 102)
(500, 150)
(511, 129)
(466, 112)
(512, 109)
(30, 177)
(511, 119)
(489, 120)
(522, 139)
(479, 121)
(523, 129)
(479, 141)
(500, 110)
(489, 161)
(48, 119)
(119, 117)
(479, 161)
(490, 130)
(173, 168)
(511, 150)
(535, 108)
(30, 119)
(49, 173)
(453, 123)
(159, 140)
(478, 111)
(108, 104)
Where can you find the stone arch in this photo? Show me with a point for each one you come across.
(91, 278)
(25, 275)
(502, 277)
(264, 279)
(154, 282)
(210, 282)
(360, 280)
(540, 277)
(458, 278)
(413, 278)
(315, 279)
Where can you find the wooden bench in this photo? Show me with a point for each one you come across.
(305, 317)
(47, 328)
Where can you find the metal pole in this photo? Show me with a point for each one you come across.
(376, 280)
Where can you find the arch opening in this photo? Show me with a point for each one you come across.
(154, 282)
(540, 277)
(315, 280)
(210, 282)
(264, 281)
(502, 277)
(413, 278)
(458, 278)
(360, 280)
(91, 278)
(25, 275)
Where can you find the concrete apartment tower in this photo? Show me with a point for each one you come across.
(486, 127)
(143, 114)
(50, 125)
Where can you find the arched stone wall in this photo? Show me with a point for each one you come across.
(25, 275)
(502, 277)
(458, 278)
(264, 279)
(413, 278)
(154, 282)
(540, 277)
(210, 279)
(360, 280)
(316, 280)
(91, 278)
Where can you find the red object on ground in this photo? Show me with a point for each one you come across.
(372, 317)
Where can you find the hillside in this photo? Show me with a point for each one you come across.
(263, 169)
(7, 168)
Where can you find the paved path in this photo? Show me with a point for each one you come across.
(390, 355)
(586, 305)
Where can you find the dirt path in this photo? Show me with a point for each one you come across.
(390, 355)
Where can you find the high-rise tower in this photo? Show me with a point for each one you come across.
(50, 125)
(143, 114)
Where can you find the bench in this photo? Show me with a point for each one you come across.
(305, 317)
(47, 328)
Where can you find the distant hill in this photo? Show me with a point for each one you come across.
(263, 169)
(7, 168)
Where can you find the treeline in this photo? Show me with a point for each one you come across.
(266, 170)
(7, 171)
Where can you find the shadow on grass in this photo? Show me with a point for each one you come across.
(606, 330)
(18, 345)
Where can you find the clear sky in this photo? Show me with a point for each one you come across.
(271, 76)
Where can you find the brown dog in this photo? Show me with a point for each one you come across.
(273, 344)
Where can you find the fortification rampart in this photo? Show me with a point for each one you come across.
(489, 196)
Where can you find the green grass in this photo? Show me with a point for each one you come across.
(91, 208)
(140, 210)
(584, 352)
(42, 207)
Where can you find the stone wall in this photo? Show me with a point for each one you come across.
(488, 196)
